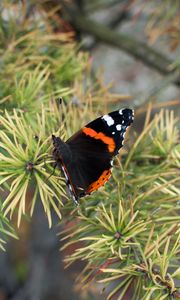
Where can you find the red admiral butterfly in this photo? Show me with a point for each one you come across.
(86, 157)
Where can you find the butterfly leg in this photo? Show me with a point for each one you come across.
(54, 168)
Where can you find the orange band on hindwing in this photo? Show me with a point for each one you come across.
(98, 183)
(100, 136)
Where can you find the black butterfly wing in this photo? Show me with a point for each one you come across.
(90, 166)
(93, 148)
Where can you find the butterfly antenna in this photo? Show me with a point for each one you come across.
(60, 104)
(55, 165)
(54, 168)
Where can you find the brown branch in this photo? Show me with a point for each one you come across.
(129, 44)
(117, 18)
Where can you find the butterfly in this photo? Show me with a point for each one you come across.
(86, 157)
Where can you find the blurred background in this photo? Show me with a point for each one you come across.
(132, 50)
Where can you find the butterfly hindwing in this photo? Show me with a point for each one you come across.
(90, 159)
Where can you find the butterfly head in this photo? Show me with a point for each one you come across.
(61, 151)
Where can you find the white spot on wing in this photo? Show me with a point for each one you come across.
(70, 187)
(72, 194)
(65, 174)
(132, 114)
(109, 120)
(118, 127)
(120, 111)
(113, 132)
(75, 200)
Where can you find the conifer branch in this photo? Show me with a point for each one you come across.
(134, 47)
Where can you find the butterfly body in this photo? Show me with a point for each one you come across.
(86, 157)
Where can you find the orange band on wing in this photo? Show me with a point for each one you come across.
(100, 136)
(98, 183)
